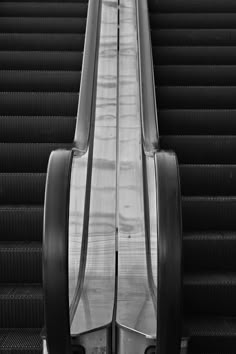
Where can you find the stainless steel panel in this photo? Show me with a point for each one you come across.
(137, 253)
(92, 247)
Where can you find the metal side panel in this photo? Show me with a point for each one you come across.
(92, 253)
(136, 295)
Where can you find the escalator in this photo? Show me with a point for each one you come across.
(193, 44)
(41, 53)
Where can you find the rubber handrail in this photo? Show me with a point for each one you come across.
(147, 87)
(88, 78)
(169, 256)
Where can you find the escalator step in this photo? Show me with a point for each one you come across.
(42, 129)
(22, 188)
(24, 157)
(39, 60)
(191, 97)
(215, 249)
(197, 75)
(208, 180)
(43, 9)
(42, 25)
(207, 55)
(193, 5)
(191, 37)
(59, 81)
(21, 262)
(38, 104)
(21, 223)
(201, 149)
(45, 41)
(197, 121)
(21, 306)
(209, 213)
(17, 340)
(203, 291)
(213, 335)
(193, 20)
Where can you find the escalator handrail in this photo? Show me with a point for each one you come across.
(88, 77)
(169, 254)
(147, 85)
(55, 255)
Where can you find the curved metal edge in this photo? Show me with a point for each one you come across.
(147, 85)
(89, 77)
(55, 252)
(169, 254)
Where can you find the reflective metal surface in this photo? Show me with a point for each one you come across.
(45, 349)
(93, 210)
(137, 253)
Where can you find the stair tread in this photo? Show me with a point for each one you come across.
(212, 326)
(43, 8)
(41, 60)
(197, 121)
(39, 103)
(42, 41)
(42, 24)
(193, 20)
(199, 97)
(193, 6)
(27, 340)
(43, 129)
(201, 149)
(38, 81)
(16, 291)
(21, 262)
(207, 55)
(206, 75)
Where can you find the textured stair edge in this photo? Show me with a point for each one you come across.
(20, 262)
(25, 340)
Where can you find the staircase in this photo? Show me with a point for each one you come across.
(41, 51)
(194, 52)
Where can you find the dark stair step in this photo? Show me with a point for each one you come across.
(209, 213)
(42, 25)
(211, 335)
(208, 6)
(43, 8)
(42, 41)
(193, 20)
(207, 55)
(208, 180)
(197, 121)
(42, 129)
(196, 75)
(22, 157)
(21, 306)
(40, 60)
(38, 104)
(17, 340)
(21, 223)
(199, 97)
(210, 294)
(210, 251)
(201, 149)
(22, 188)
(191, 37)
(25, 80)
(21, 262)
